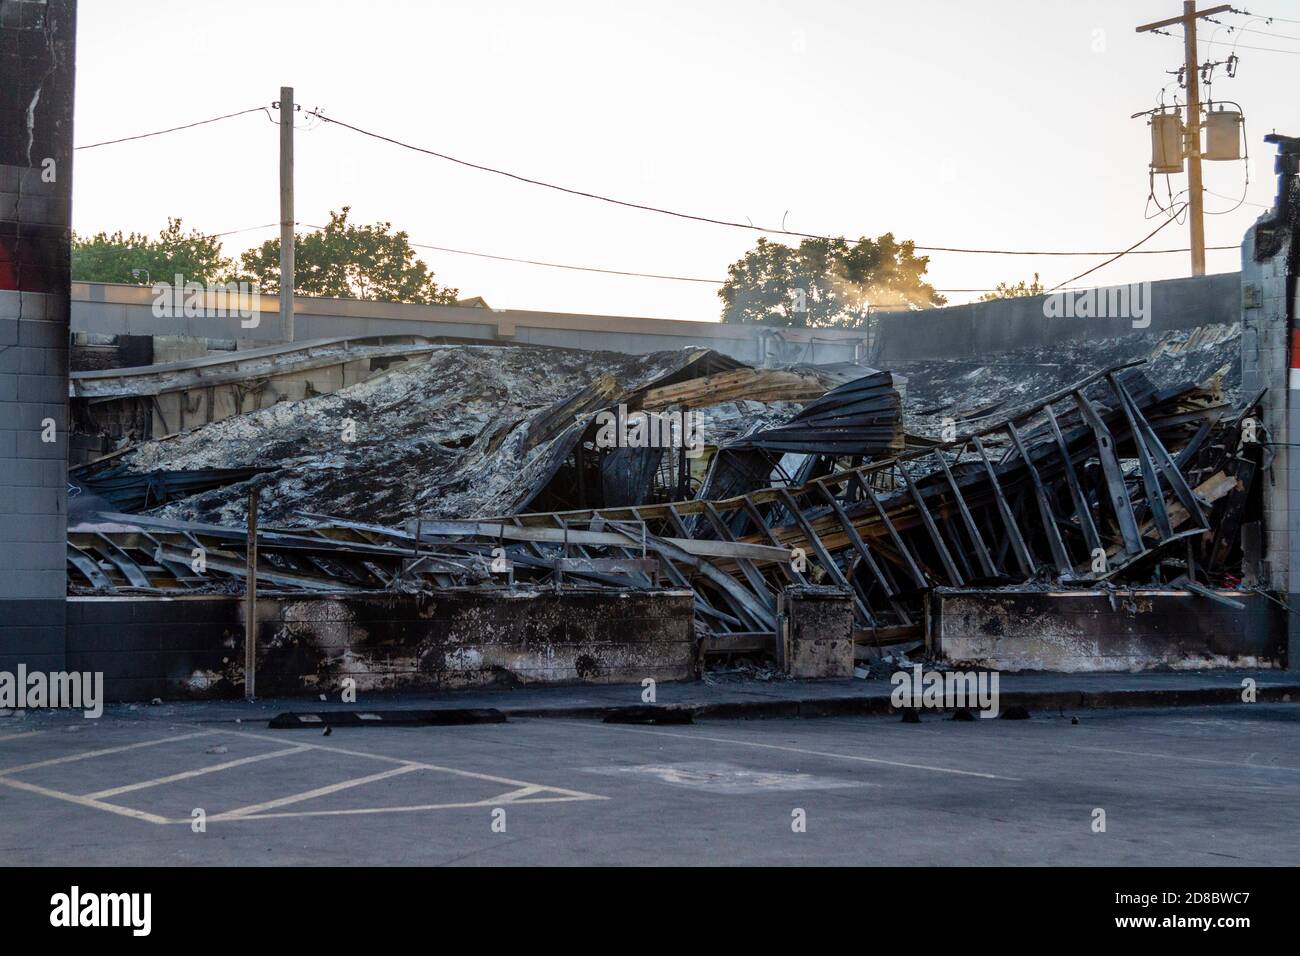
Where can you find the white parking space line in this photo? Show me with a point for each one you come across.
(369, 811)
(187, 774)
(102, 753)
(520, 792)
(492, 778)
(811, 753)
(83, 801)
(313, 794)
(514, 795)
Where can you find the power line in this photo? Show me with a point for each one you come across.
(160, 132)
(1243, 202)
(531, 262)
(561, 265)
(1173, 218)
(1109, 252)
(232, 232)
(739, 225)
(616, 272)
(1264, 16)
(707, 219)
(1267, 33)
(565, 189)
(539, 262)
(1262, 49)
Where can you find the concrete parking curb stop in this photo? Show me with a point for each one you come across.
(862, 705)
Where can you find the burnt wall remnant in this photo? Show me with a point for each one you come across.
(1123, 630)
(1270, 263)
(193, 646)
(816, 638)
(36, 82)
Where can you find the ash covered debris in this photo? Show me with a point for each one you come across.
(481, 468)
(968, 391)
(456, 435)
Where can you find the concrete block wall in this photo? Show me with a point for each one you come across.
(816, 637)
(36, 51)
(193, 646)
(1270, 313)
(1265, 357)
(109, 309)
(980, 328)
(1081, 632)
(987, 328)
(158, 647)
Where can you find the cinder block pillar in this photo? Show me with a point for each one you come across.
(815, 638)
(36, 64)
(1270, 358)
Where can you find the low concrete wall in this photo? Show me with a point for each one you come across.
(192, 646)
(1078, 631)
(980, 328)
(987, 328)
(816, 637)
(108, 309)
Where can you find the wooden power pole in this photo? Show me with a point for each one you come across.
(1192, 146)
(250, 601)
(286, 212)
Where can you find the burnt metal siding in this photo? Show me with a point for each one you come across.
(862, 417)
(36, 63)
(128, 491)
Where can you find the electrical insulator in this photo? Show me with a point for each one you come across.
(1223, 135)
(1166, 143)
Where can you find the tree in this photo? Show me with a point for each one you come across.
(345, 261)
(1019, 290)
(139, 260)
(824, 282)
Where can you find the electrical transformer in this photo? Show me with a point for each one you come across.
(1223, 135)
(1166, 143)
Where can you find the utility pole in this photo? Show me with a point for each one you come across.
(286, 213)
(250, 600)
(1192, 128)
(1196, 193)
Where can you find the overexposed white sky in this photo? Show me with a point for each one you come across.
(999, 124)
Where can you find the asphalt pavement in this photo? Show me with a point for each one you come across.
(1191, 785)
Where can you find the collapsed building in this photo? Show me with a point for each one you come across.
(495, 500)
(431, 512)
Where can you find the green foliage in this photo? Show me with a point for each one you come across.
(1019, 290)
(825, 283)
(108, 257)
(345, 261)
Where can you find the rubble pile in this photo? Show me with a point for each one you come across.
(485, 467)
(449, 436)
(969, 391)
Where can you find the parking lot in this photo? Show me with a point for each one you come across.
(1193, 785)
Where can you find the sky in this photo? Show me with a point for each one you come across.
(1003, 124)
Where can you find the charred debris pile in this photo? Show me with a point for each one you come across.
(519, 467)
